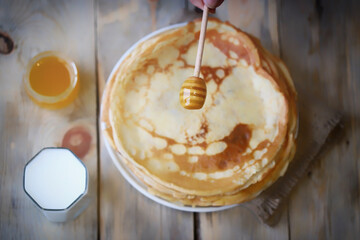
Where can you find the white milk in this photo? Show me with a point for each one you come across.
(55, 179)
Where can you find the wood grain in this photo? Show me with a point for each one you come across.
(124, 212)
(68, 27)
(316, 46)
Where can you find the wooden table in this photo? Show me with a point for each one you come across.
(318, 40)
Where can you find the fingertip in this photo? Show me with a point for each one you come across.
(213, 3)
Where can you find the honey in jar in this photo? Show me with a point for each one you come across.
(51, 80)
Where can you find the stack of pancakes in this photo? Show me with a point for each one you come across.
(236, 146)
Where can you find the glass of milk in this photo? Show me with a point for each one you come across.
(57, 182)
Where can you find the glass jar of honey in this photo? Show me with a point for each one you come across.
(51, 80)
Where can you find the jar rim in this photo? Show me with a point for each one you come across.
(70, 66)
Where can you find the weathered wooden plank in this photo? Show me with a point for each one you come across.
(68, 27)
(259, 18)
(124, 212)
(320, 43)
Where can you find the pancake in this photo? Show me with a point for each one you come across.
(237, 145)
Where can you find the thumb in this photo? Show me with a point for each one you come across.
(213, 3)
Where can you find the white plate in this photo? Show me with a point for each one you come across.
(125, 171)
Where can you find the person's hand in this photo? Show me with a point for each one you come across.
(212, 4)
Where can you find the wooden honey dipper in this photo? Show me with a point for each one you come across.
(193, 90)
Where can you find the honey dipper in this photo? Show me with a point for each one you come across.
(193, 90)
